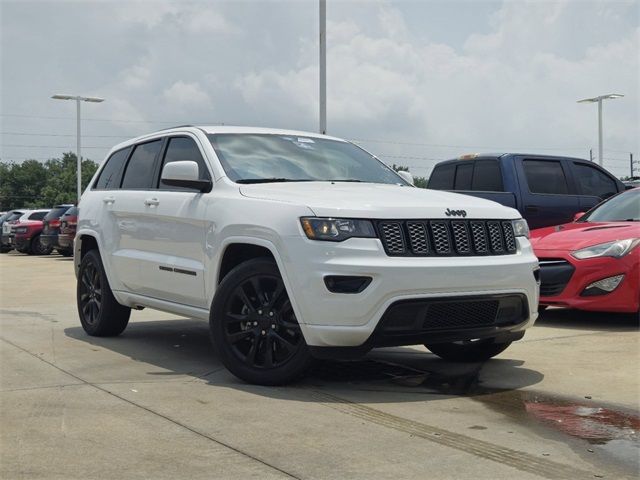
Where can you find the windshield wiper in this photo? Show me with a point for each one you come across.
(346, 180)
(271, 180)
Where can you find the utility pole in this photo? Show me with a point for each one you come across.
(323, 66)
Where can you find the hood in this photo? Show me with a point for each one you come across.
(371, 200)
(577, 235)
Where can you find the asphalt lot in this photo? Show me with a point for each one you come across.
(156, 403)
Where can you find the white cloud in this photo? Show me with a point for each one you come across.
(185, 95)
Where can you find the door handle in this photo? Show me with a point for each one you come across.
(109, 200)
(152, 202)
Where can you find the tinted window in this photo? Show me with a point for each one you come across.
(139, 172)
(56, 212)
(592, 181)
(13, 216)
(183, 148)
(37, 215)
(442, 177)
(545, 176)
(621, 208)
(112, 172)
(463, 176)
(487, 176)
(71, 211)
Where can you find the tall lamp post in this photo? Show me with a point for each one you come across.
(599, 99)
(78, 99)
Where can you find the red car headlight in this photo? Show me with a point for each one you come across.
(616, 249)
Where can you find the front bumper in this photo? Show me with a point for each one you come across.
(6, 240)
(625, 298)
(349, 320)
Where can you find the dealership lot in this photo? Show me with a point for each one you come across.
(156, 402)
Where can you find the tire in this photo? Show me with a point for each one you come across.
(100, 314)
(542, 308)
(38, 248)
(5, 250)
(468, 351)
(66, 252)
(253, 326)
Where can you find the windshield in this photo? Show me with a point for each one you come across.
(260, 158)
(624, 207)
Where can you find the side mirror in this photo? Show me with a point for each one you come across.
(184, 174)
(406, 176)
(578, 216)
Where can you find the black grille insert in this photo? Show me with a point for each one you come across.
(447, 237)
(427, 315)
(555, 273)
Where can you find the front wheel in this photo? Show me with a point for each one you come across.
(468, 350)
(100, 313)
(254, 328)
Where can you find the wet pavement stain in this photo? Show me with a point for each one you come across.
(607, 430)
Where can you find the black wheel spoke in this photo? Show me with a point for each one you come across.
(237, 317)
(283, 342)
(241, 335)
(268, 352)
(244, 298)
(257, 288)
(276, 294)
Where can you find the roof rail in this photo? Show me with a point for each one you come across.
(171, 128)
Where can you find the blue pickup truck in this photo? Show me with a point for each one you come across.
(546, 190)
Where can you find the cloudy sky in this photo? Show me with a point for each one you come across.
(414, 82)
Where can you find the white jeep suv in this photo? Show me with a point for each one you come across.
(295, 245)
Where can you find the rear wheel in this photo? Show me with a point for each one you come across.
(468, 350)
(39, 248)
(254, 328)
(100, 313)
(65, 252)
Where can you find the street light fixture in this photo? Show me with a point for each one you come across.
(78, 99)
(599, 99)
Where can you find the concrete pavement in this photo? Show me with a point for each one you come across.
(156, 403)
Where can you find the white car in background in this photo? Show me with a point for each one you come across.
(295, 245)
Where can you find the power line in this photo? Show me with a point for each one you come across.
(52, 146)
(61, 135)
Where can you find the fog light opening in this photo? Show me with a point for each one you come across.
(602, 287)
(346, 284)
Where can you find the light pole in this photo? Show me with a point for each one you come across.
(323, 66)
(599, 99)
(78, 99)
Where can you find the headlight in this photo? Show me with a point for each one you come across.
(616, 249)
(520, 227)
(336, 229)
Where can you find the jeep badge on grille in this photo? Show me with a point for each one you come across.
(455, 213)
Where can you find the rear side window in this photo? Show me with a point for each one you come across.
(37, 216)
(139, 171)
(592, 181)
(463, 176)
(442, 177)
(545, 176)
(184, 148)
(111, 174)
(487, 176)
(72, 211)
(55, 212)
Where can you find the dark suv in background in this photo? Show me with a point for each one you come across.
(68, 223)
(546, 190)
(51, 228)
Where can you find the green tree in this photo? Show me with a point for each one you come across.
(420, 182)
(33, 184)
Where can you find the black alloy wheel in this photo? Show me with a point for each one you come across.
(39, 248)
(90, 293)
(100, 313)
(254, 326)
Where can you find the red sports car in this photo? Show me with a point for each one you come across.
(593, 263)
